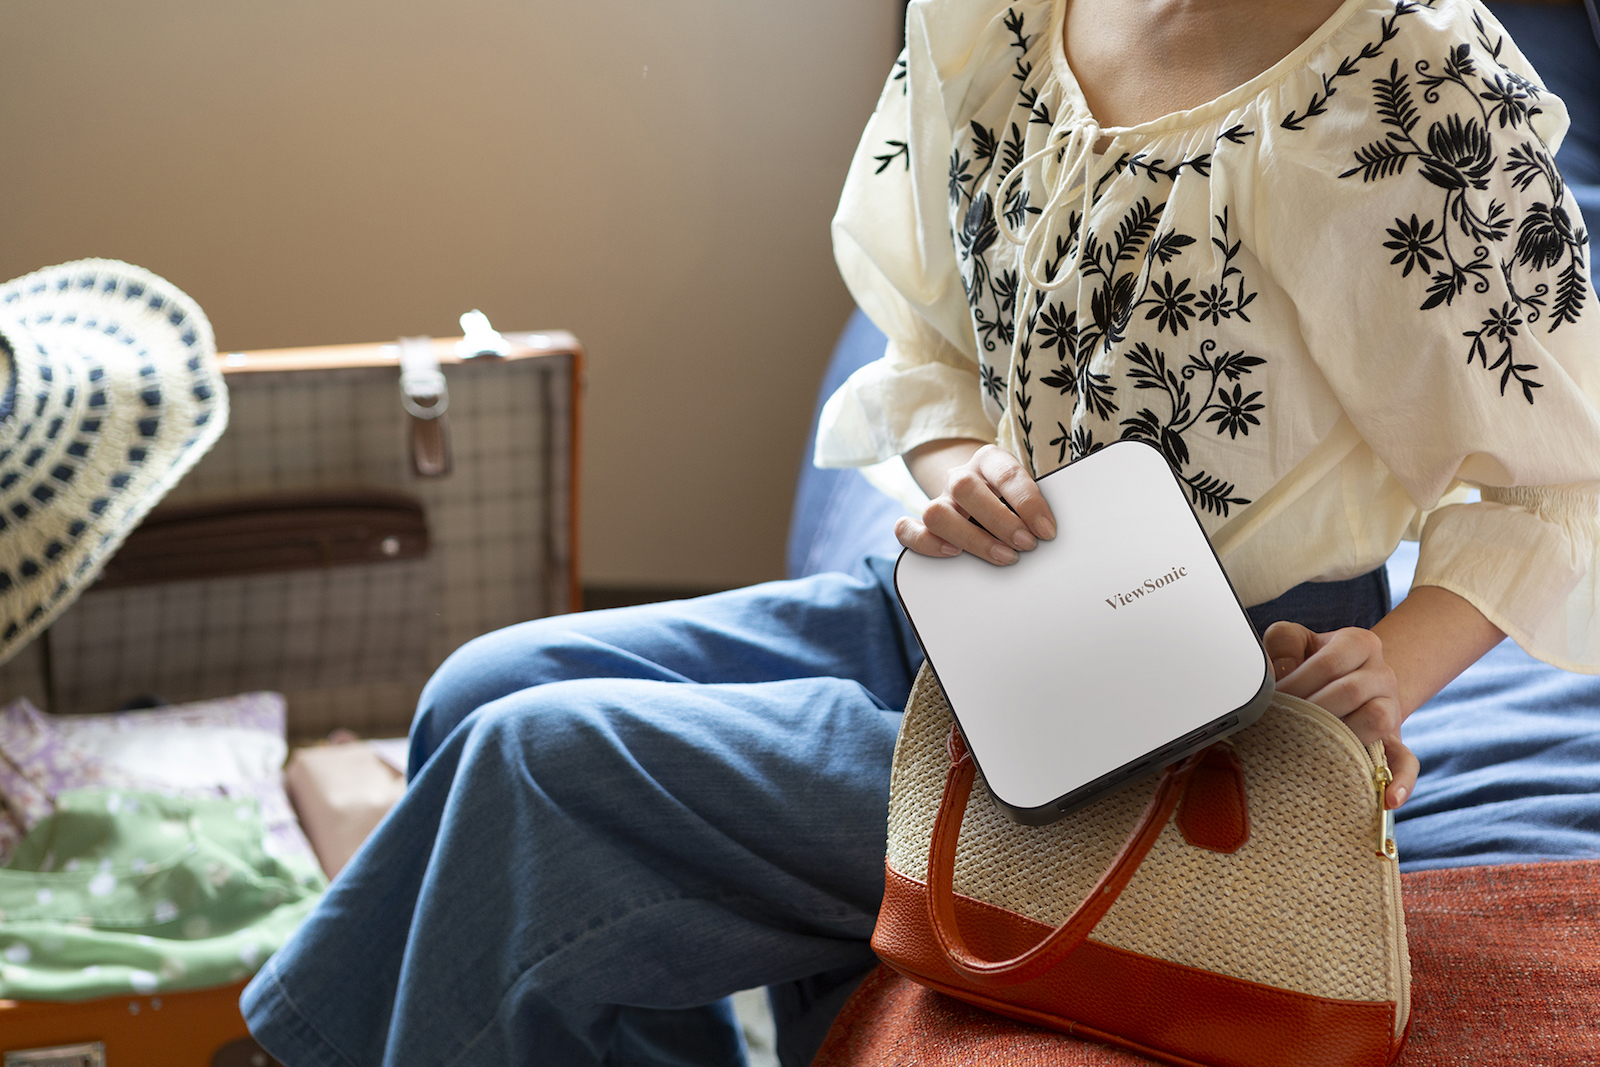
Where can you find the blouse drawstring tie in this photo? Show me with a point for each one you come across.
(1077, 154)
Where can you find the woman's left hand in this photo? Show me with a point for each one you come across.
(1344, 672)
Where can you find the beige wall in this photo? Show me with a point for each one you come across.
(657, 178)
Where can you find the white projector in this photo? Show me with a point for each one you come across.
(1098, 658)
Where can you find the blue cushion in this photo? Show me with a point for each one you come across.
(1510, 757)
(838, 516)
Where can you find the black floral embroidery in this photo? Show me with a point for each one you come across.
(1117, 293)
(1014, 24)
(1004, 288)
(997, 331)
(1083, 442)
(1128, 265)
(901, 151)
(1011, 156)
(1171, 302)
(1168, 245)
(993, 384)
(1176, 309)
(1062, 441)
(1023, 401)
(1058, 330)
(1053, 338)
(1217, 302)
(1388, 31)
(959, 178)
(1544, 236)
(974, 157)
(1233, 413)
(897, 149)
(1457, 155)
(1510, 98)
(1414, 245)
(1038, 112)
(978, 234)
(1157, 168)
(1018, 209)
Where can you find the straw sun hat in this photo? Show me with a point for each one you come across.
(111, 393)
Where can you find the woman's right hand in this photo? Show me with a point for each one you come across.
(987, 503)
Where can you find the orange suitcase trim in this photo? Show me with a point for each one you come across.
(190, 1028)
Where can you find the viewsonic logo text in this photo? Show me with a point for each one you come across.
(1148, 586)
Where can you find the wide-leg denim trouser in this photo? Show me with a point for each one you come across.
(618, 814)
(610, 814)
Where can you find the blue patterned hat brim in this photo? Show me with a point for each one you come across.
(113, 393)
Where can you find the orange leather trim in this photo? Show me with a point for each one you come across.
(1215, 812)
(1405, 1035)
(1178, 1014)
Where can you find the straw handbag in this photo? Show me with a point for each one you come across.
(1244, 905)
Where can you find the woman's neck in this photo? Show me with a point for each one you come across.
(1137, 60)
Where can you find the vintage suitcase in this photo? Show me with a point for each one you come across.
(337, 543)
(350, 643)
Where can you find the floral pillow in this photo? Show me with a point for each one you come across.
(229, 748)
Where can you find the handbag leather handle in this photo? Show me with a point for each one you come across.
(1060, 942)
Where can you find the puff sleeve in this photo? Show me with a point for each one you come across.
(1444, 291)
(891, 239)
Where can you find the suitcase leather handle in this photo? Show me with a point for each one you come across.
(1060, 942)
(270, 533)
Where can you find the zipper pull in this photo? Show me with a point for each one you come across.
(1385, 843)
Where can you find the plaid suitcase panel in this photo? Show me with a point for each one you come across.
(348, 645)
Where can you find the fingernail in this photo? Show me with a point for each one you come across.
(1025, 540)
(1282, 667)
(1001, 554)
(1047, 529)
(949, 550)
(1400, 796)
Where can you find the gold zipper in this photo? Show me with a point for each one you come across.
(1385, 844)
(1385, 848)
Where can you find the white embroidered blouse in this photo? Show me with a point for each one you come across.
(1331, 297)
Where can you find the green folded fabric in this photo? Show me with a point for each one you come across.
(122, 892)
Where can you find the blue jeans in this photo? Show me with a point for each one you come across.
(611, 814)
(615, 820)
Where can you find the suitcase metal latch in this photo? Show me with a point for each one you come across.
(426, 397)
(89, 1054)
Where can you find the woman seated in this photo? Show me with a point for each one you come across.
(1315, 251)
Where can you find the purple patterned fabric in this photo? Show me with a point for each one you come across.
(232, 748)
(36, 763)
